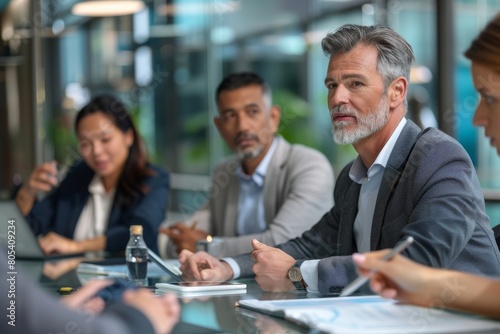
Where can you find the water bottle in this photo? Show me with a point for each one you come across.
(136, 254)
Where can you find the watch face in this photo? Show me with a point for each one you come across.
(294, 274)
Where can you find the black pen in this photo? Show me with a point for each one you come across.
(358, 282)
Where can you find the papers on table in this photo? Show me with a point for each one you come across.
(121, 269)
(371, 314)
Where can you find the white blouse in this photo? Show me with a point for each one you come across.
(93, 220)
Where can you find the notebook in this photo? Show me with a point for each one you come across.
(369, 314)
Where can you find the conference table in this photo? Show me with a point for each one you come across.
(202, 314)
(199, 315)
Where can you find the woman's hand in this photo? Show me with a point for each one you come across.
(55, 243)
(399, 278)
(43, 178)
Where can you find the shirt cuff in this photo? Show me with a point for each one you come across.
(309, 270)
(235, 267)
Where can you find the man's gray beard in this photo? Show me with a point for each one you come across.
(366, 126)
(247, 155)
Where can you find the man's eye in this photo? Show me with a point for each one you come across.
(356, 84)
(228, 115)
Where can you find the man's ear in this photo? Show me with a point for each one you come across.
(397, 92)
(275, 117)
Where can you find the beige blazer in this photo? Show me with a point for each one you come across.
(298, 190)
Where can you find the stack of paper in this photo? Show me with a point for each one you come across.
(121, 269)
(370, 314)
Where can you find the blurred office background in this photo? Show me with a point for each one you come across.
(164, 59)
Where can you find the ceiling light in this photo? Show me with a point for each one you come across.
(107, 8)
(200, 8)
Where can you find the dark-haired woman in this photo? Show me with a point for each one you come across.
(112, 188)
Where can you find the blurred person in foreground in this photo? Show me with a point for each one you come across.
(29, 309)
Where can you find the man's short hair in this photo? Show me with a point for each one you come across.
(395, 55)
(243, 79)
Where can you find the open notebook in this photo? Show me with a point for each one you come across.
(369, 314)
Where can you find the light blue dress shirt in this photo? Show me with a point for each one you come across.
(251, 210)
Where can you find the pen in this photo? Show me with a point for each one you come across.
(193, 227)
(358, 282)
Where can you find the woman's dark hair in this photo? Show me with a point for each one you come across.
(136, 166)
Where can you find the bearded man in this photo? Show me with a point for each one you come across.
(270, 190)
(404, 182)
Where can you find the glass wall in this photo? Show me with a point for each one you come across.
(166, 61)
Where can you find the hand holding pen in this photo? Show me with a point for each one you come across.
(357, 283)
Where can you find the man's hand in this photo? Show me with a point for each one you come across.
(85, 298)
(163, 312)
(271, 267)
(202, 266)
(184, 237)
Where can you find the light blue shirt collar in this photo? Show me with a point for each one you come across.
(260, 173)
(251, 209)
(359, 173)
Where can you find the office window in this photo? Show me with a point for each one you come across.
(166, 61)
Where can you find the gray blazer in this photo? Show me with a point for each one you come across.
(429, 191)
(298, 190)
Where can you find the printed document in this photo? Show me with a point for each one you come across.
(369, 314)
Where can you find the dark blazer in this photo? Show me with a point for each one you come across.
(59, 211)
(496, 231)
(429, 191)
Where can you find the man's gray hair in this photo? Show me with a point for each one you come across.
(395, 55)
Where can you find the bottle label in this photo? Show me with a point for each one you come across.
(137, 263)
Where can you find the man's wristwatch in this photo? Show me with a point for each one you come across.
(295, 275)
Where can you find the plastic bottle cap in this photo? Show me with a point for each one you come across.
(136, 229)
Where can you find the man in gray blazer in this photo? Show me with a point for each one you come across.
(271, 190)
(405, 182)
